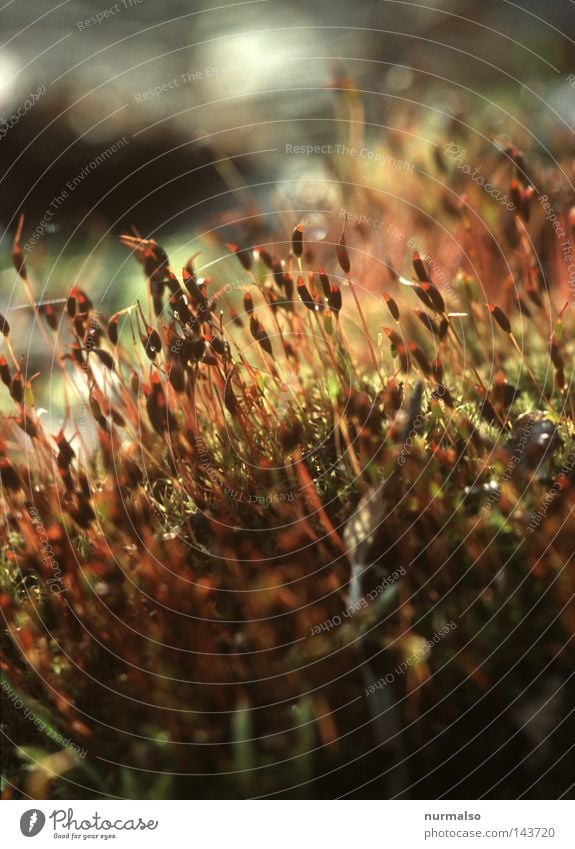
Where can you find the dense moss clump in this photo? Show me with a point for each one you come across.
(306, 521)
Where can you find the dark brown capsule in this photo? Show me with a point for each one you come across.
(113, 329)
(9, 476)
(27, 425)
(4, 325)
(117, 418)
(393, 336)
(434, 296)
(398, 348)
(391, 305)
(177, 376)
(71, 302)
(427, 322)
(297, 241)
(288, 288)
(515, 194)
(272, 299)
(156, 263)
(133, 474)
(442, 393)
(195, 350)
(423, 297)
(78, 355)
(105, 358)
(504, 393)
(198, 297)
(289, 436)
(5, 375)
(67, 479)
(188, 272)
(487, 411)
(96, 411)
(208, 359)
(243, 255)
(83, 514)
(314, 291)
(218, 346)
(555, 353)
(94, 335)
(248, 303)
(152, 343)
(278, 273)
(265, 257)
(173, 283)
(230, 398)
(17, 388)
(65, 452)
(49, 314)
(83, 302)
(335, 300)
(420, 268)
(324, 280)
(157, 288)
(392, 396)
(420, 358)
(500, 318)
(259, 334)
(80, 328)
(158, 411)
(180, 307)
(84, 486)
(526, 197)
(305, 295)
(342, 254)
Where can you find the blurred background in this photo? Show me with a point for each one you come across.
(158, 115)
(240, 78)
